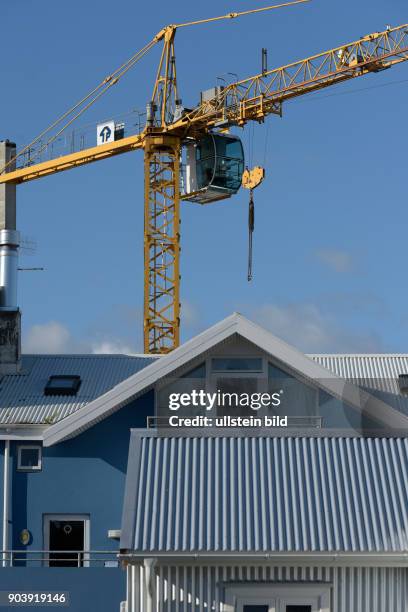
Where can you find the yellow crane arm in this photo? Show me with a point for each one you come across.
(251, 99)
(263, 94)
(66, 162)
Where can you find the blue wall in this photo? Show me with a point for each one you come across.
(90, 589)
(85, 475)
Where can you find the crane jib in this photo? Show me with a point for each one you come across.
(169, 125)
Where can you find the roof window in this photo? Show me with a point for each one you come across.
(62, 384)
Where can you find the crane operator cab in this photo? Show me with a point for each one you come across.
(214, 168)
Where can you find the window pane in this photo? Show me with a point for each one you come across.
(256, 608)
(29, 457)
(299, 399)
(297, 608)
(65, 383)
(230, 390)
(237, 364)
(62, 385)
(198, 372)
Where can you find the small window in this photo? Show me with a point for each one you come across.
(237, 364)
(403, 383)
(29, 458)
(66, 384)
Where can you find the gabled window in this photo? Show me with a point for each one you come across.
(237, 364)
(29, 458)
(62, 384)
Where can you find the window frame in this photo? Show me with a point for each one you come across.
(86, 518)
(260, 375)
(27, 468)
(242, 373)
(72, 391)
(278, 596)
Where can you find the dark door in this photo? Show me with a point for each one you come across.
(68, 537)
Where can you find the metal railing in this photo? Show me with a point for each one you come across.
(59, 558)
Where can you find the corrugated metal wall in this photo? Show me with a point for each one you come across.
(199, 588)
(270, 494)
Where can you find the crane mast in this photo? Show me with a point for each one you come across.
(169, 125)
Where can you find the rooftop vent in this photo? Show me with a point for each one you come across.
(62, 384)
(403, 383)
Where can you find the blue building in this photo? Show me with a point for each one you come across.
(64, 492)
(311, 516)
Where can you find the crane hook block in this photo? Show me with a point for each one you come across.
(252, 178)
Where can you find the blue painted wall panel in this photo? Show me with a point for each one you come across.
(84, 475)
(90, 589)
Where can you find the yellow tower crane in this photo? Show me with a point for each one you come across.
(214, 158)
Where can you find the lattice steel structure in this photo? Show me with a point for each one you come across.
(162, 244)
(169, 125)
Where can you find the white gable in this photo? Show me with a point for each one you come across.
(139, 383)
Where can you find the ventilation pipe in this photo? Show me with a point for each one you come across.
(9, 243)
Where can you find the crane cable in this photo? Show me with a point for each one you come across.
(106, 84)
(251, 226)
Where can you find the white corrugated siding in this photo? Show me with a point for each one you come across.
(22, 398)
(263, 494)
(200, 588)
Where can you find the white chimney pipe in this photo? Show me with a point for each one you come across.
(9, 243)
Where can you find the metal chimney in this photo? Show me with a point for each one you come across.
(10, 316)
(9, 243)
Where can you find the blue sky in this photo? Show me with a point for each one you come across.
(331, 217)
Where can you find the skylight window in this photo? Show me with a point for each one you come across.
(62, 384)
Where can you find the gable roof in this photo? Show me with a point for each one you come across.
(22, 398)
(232, 494)
(140, 382)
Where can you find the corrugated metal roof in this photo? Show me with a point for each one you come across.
(260, 494)
(22, 398)
(378, 371)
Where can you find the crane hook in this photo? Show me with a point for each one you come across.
(250, 180)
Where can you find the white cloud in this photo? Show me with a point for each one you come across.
(337, 260)
(310, 330)
(52, 337)
(108, 347)
(189, 314)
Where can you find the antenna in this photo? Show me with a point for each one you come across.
(28, 245)
(31, 269)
